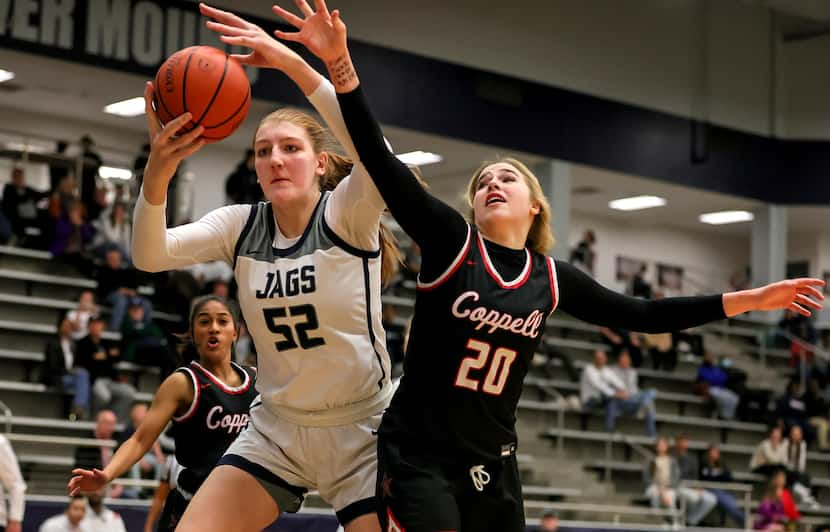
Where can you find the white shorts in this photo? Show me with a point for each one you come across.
(339, 462)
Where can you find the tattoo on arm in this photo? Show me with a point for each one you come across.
(342, 71)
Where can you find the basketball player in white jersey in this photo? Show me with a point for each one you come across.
(309, 265)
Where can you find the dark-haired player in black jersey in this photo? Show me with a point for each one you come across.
(207, 401)
(447, 443)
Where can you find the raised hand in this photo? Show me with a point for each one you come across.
(265, 52)
(167, 149)
(86, 481)
(798, 295)
(323, 33)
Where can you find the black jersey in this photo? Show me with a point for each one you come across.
(472, 340)
(215, 418)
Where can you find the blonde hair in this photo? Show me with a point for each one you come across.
(337, 168)
(539, 237)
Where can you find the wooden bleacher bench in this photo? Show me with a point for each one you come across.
(63, 280)
(40, 328)
(62, 304)
(37, 387)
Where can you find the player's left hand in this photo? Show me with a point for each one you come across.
(798, 295)
(321, 31)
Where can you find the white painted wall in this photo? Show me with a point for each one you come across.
(708, 260)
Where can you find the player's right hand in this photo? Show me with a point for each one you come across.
(85, 481)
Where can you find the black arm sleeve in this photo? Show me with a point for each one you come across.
(585, 299)
(437, 228)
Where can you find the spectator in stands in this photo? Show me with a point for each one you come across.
(62, 197)
(660, 347)
(818, 413)
(241, 186)
(639, 286)
(412, 263)
(549, 522)
(79, 316)
(711, 384)
(565, 360)
(796, 450)
(599, 387)
(89, 177)
(662, 477)
(244, 352)
(70, 520)
(770, 456)
(637, 400)
(150, 466)
(11, 486)
(714, 470)
(62, 165)
(20, 206)
(118, 285)
(689, 469)
(72, 236)
(98, 457)
(109, 390)
(99, 518)
(583, 256)
(777, 511)
(621, 339)
(139, 163)
(791, 409)
(112, 228)
(61, 368)
(143, 342)
(394, 339)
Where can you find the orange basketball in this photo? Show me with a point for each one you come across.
(210, 85)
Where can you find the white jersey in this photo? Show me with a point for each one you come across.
(313, 310)
(317, 324)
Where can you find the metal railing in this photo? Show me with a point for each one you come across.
(745, 489)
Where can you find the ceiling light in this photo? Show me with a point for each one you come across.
(419, 158)
(635, 203)
(726, 217)
(27, 147)
(5, 75)
(131, 107)
(111, 172)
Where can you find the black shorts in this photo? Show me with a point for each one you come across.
(174, 507)
(417, 494)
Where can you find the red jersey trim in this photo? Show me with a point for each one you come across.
(523, 276)
(554, 284)
(453, 267)
(242, 388)
(196, 394)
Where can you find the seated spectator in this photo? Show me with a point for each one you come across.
(791, 409)
(549, 522)
(637, 400)
(99, 518)
(61, 368)
(662, 477)
(19, 204)
(620, 339)
(72, 236)
(218, 288)
(150, 466)
(565, 360)
(118, 285)
(108, 389)
(818, 414)
(88, 457)
(689, 469)
(143, 342)
(70, 520)
(711, 384)
(62, 197)
(113, 229)
(11, 486)
(796, 450)
(777, 511)
(582, 256)
(714, 470)
(79, 316)
(660, 347)
(771, 455)
(600, 387)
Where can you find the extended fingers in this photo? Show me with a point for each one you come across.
(795, 307)
(293, 36)
(226, 29)
(288, 16)
(304, 8)
(225, 17)
(321, 7)
(173, 126)
(153, 126)
(803, 300)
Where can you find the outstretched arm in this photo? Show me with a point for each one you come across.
(587, 300)
(438, 229)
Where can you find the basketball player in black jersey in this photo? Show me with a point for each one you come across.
(207, 401)
(447, 443)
